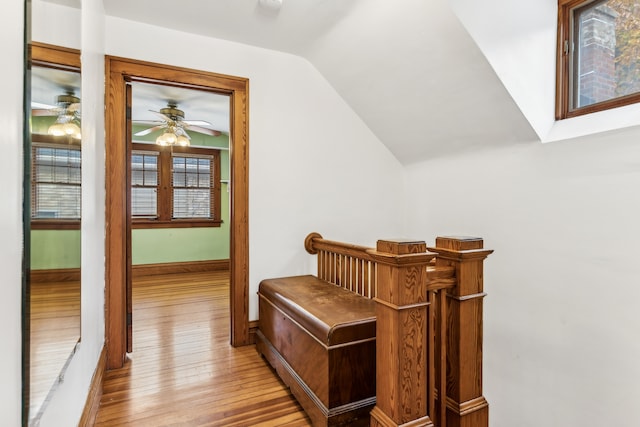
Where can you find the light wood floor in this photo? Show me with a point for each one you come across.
(55, 330)
(183, 372)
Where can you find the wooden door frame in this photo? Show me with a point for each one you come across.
(119, 71)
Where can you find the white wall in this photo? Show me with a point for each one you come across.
(561, 315)
(314, 166)
(11, 121)
(47, 20)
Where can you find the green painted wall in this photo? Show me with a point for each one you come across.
(40, 124)
(52, 249)
(152, 246)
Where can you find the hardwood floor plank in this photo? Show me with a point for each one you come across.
(54, 332)
(183, 371)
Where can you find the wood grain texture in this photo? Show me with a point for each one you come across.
(54, 332)
(183, 372)
(402, 311)
(55, 275)
(142, 270)
(326, 352)
(464, 401)
(116, 218)
(413, 319)
(344, 264)
(55, 56)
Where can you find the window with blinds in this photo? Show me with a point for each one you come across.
(56, 182)
(174, 188)
(144, 184)
(191, 183)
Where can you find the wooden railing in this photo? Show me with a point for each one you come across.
(348, 266)
(428, 328)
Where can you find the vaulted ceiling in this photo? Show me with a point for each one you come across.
(408, 68)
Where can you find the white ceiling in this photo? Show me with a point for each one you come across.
(48, 83)
(198, 105)
(408, 68)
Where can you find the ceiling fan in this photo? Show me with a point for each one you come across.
(172, 120)
(67, 112)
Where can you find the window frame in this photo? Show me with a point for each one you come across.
(165, 188)
(564, 65)
(61, 142)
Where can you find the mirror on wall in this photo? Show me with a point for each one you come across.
(54, 219)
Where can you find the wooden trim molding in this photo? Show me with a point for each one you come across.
(253, 330)
(142, 270)
(141, 224)
(55, 56)
(95, 392)
(55, 224)
(120, 71)
(55, 275)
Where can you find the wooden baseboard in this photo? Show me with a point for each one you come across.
(95, 392)
(253, 329)
(55, 275)
(142, 270)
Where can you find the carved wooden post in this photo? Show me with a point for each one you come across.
(401, 335)
(466, 405)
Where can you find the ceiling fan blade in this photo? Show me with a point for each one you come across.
(148, 131)
(149, 122)
(197, 122)
(205, 131)
(43, 112)
(163, 117)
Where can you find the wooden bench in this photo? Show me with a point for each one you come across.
(319, 334)
(422, 305)
(320, 338)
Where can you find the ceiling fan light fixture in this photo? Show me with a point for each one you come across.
(183, 141)
(68, 119)
(65, 126)
(167, 138)
(72, 130)
(174, 135)
(56, 129)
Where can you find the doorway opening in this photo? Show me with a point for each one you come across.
(121, 73)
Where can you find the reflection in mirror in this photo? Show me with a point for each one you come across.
(55, 219)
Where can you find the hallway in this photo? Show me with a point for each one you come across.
(183, 372)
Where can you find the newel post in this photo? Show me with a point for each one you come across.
(401, 334)
(466, 406)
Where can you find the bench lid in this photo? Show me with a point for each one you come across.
(330, 313)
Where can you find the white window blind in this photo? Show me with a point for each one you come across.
(56, 182)
(144, 184)
(192, 182)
